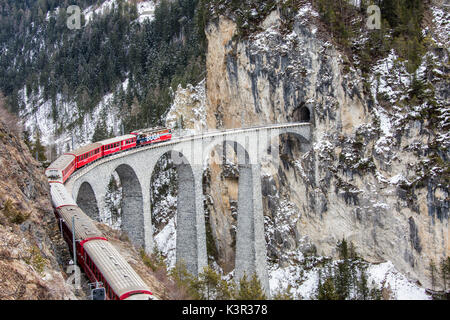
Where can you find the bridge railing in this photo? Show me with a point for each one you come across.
(183, 133)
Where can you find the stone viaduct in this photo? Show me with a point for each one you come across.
(253, 146)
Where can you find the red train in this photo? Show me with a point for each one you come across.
(61, 169)
(95, 255)
(100, 261)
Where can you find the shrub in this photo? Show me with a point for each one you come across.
(35, 259)
(13, 214)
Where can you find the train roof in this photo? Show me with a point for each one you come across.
(149, 130)
(60, 196)
(84, 226)
(62, 162)
(116, 139)
(84, 149)
(114, 268)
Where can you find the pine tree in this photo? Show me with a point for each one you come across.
(100, 131)
(433, 274)
(327, 290)
(250, 290)
(38, 150)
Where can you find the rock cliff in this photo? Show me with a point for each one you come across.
(376, 171)
(31, 248)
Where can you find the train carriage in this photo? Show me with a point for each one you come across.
(87, 154)
(98, 258)
(61, 169)
(121, 281)
(128, 141)
(60, 196)
(113, 145)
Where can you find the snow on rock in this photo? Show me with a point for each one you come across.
(104, 8)
(166, 241)
(387, 276)
(146, 11)
(188, 109)
(398, 178)
(441, 20)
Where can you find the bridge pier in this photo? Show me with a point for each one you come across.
(191, 235)
(250, 241)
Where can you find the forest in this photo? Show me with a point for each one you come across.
(40, 53)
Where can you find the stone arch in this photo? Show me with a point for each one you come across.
(87, 201)
(295, 139)
(132, 204)
(226, 143)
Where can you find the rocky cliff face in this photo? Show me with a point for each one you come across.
(31, 248)
(376, 170)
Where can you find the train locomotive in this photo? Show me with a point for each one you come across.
(100, 260)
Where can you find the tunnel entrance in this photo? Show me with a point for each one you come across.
(302, 114)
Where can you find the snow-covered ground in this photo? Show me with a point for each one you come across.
(146, 10)
(166, 241)
(386, 275)
(304, 282)
(36, 114)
